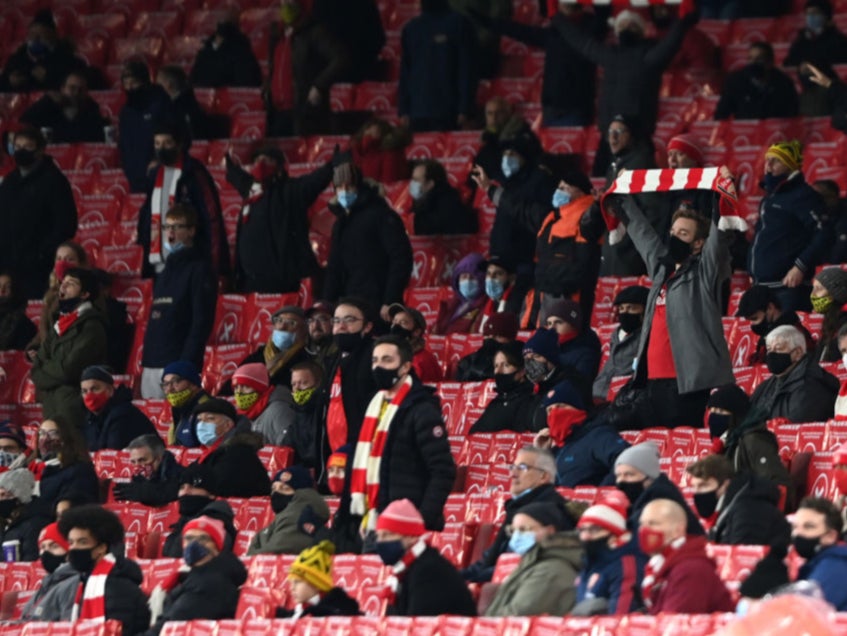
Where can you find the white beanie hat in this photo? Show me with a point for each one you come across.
(20, 482)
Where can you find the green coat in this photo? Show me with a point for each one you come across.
(283, 535)
(544, 581)
(61, 360)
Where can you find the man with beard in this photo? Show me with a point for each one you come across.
(71, 115)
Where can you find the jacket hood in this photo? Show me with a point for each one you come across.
(219, 510)
(227, 565)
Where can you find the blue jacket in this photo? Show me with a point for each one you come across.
(588, 456)
(615, 576)
(828, 568)
(582, 354)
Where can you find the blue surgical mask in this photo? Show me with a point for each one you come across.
(816, 22)
(469, 288)
(510, 165)
(494, 288)
(560, 198)
(206, 432)
(194, 552)
(346, 199)
(172, 248)
(415, 190)
(521, 542)
(390, 551)
(282, 339)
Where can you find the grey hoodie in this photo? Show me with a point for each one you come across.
(54, 600)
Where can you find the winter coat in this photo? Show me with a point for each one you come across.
(744, 97)
(432, 586)
(479, 365)
(757, 356)
(182, 312)
(589, 454)
(238, 470)
(277, 418)
(86, 127)
(790, 231)
(77, 482)
(182, 431)
(753, 448)
(615, 577)
(190, 116)
(285, 534)
(303, 434)
(582, 355)
(442, 211)
(57, 63)
(826, 49)
(232, 63)
(39, 213)
(544, 581)
(748, 513)
(509, 411)
(54, 598)
(16, 330)
(117, 424)
(336, 602)
(143, 109)
(828, 568)
(161, 489)
(61, 360)
(125, 602)
(622, 355)
(358, 26)
(698, 346)
(370, 255)
(805, 394)
(661, 488)
(219, 510)
(273, 252)
(25, 526)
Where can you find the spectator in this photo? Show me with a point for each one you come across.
(69, 254)
(357, 24)
(505, 292)
(613, 566)
(409, 324)
(531, 481)
(514, 406)
(21, 517)
(300, 512)
(762, 308)
(181, 385)
(12, 446)
(209, 589)
(112, 420)
(500, 120)
(226, 59)
(629, 307)
(183, 308)
(501, 329)
(544, 581)
(381, 273)
(488, 41)
(437, 72)
(269, 408)
(336, 469)
(414, 461)
(835, 92)
(438, 207)
(379, 149)
(415, 565)
(817, 538)
(146, 103)
(306, 431)
(799, 389)
(39, 212)
(541, 359)
(312, 586)
(53, 552)
(462, 312)
(70, 115)
(64, 470)
(829, 295)
(77, 341)
(759, 90)
(679, 576)
(180, 180)
(836, 211)
(191, 117)
(16, 329)
(320, 347)
(579, 346)
(273, 253)
(156, 473)
(109, 587)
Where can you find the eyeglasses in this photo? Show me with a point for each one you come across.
(347, 320)
(174, 226)
(522, 468)
(166, 384)
(47, 432)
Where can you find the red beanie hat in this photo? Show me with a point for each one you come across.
(51, 533)
(688, 144)
(254, 375)
(604, 517)
(401, 517)
(213, 527)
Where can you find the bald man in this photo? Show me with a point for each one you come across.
(679, 576)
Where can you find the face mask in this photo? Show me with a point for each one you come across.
(303, 396)
(757, 69)
(415, 190)
(167, 156)
(385, 378)
(595, 548)
(494, 289)
(346, 342)
(95, 402)
(289, 13)
(560, 198)
(629, 37)
(561, 421)
(7, 507)
(7, 458)
(279, 502)
(771, 181)
(36, 48)
(346, 199)
(521, 542)
(630, 322)
(179, 398)
(761, 329)
(506, 382)
(777, 363)
(840, 477)
(207, 433)
(49, 448)
(678, 249)
(706, 503)
(67, 305)
(632, 489)
(510, 165)
(650, 540)
(172, 248)
(60, 268)
(194, 552)
(390, 551)
(226, 29)
(718, 424)
(806, 548)
(50, 561)
(816, 22)
(535, 370)
(335, 485)
(245, 401)
(192, 505)
(821, 304)
(401, 331)
(81, 560)
(143, 472)
(262, 171)
(282, 339)
(469, 288)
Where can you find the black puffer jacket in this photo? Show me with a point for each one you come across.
(479, 365)
(509, 411)
(430, 587)
(220, 510)
(25, 527)
(662, 488)
(749, 514)
(117, 424)
(77, 482)
(806, 394)
(238, 470)
(336, 602)
(125, 602)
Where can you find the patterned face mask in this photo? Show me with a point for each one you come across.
(245, 401)
(303, 396)
(179, 398)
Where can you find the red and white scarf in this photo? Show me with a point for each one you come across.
(653, 570)
(157, 213)
(364, 482)
(256, 192)
(64, 322)
(719, 180)
(398, 570)
(90, 601)
(685, 6)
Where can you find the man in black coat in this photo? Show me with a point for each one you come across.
(38, 212)
(21, 517)
(156, 473)
(187, 112)
(71, 115)
(304, 434)
(438, 206)
(226, 59)
(499, 330)
(358, 26)
(514, 407)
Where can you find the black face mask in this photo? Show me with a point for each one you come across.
(663, 23)
(678, 249)
(167, 156)
(192, 505)
(761, 329)
(347, 342)
(400, 330)
(7, 507)
(226, 29)
(67, 305)
(24, 158)
(81, 560)
(595, 548)
(279, 502)
(50, 562)
(629, 37)
(706, 503)
(719, 424)
(777, 363)
(632, 489)
(135, 97)
(806, 548)
(506, 382)
(385, 378)
(757, 69)
(630, 322)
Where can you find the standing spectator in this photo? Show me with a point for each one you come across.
(513, 408)
(268, 407)
(759, 90)
(629, 306)
(69, 254)
(226, 59)
(836, 208)
(437, 76)
(312, 586)
(39, 212)
(21, 517)
(500, 119)
(829, 295)
(505, 294)
(187, 112)
(181, 386)
(500, 329)
(410, 324)
(358, 26)
(53, 552)
(156, 473)
(71, 115)
(16, 329)
(463, 311)
(817, 538)
(63, 470)
(438, 206)
(762, 308)
(698, 58)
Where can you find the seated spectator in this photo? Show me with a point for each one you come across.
(21, 516)
(229, 453)
(541, 359)
(799, 389)
(762, 308)
(13, 449)
(64, 471)
(759, 90)
(829, 295)
(514, 406)
(532, 478)
(185, 108)
(736, 508)
(304, 433)
(300, 512)
(209, 589)
(544, 581)
(500, 329)
(503, 290)
(415, 566)
(438, 206)
(463, 312)
(16, 329)
(817, 538)
(408, 323)
(181, 385)
(679, 576)
(269, 408)
(69, 255)
(629, 306)
(319, 345)
(579, 346)
(336, 469)
(313, 588)
(156, 473)
(120, 329)
(112, 421)
(226, 58)
(70, 116)
(379, 149)
(44, 604)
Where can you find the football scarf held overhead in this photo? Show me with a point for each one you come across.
(685, 6)
(156, 212)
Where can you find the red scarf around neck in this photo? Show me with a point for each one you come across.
(90, 601)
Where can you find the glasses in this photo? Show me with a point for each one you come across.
(166, 384)
(347, 320)
(522, 468)
(49, 433)
(174, 226)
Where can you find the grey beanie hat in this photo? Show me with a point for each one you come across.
(835, 281)
(643, 458)
(20, 482)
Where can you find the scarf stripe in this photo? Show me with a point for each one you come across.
(64, 322)
(90, 602)
(156, 212)
(398, 570)
(256, 192)
(653, 572)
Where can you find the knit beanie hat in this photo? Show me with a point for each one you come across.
(567, 310)
(788, 152)
(834, 279)
(642, 457)
(632, 295)
(544, 342)
(470, 264)
(12, 431)
(401, 517)
(199, 476)
(340, 457)
(605, 517)
(503, 325)
(689, 145)
(20, 482)
(563, 393)
(254, 375)
(579, 180)
(184, 369)
(97, 372)
(298, 477)
(546, 513)
(213, 527)
(51, 532)
(217, 405)
(290, 309)
(732, 398)
(314, 565)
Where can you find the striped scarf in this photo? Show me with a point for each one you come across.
(256, 192)
(719, 180)
(685, 6)
(364, 482)
(65, 321)
(398, 570)
(653, 570)
(157, 213)
(90, 601)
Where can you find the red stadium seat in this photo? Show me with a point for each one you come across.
(249, 124)
(376, 96)
(231, 100)
(151, 48)
(105, 26)
(182, 50)
(220, 363)
(228, 328)
(163, 24)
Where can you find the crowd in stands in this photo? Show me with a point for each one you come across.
(308, 281)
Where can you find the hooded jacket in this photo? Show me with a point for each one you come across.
(336, 602)
(752, 447)
(661, 488)
(749, 514)
(117, 424)
(805, 394)
(124, 600)
(828, 568)
(589, 454)
(232, 63)
(431, 586)
(285, 534)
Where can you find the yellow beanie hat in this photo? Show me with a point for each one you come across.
(314, 565)
(788, 152)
